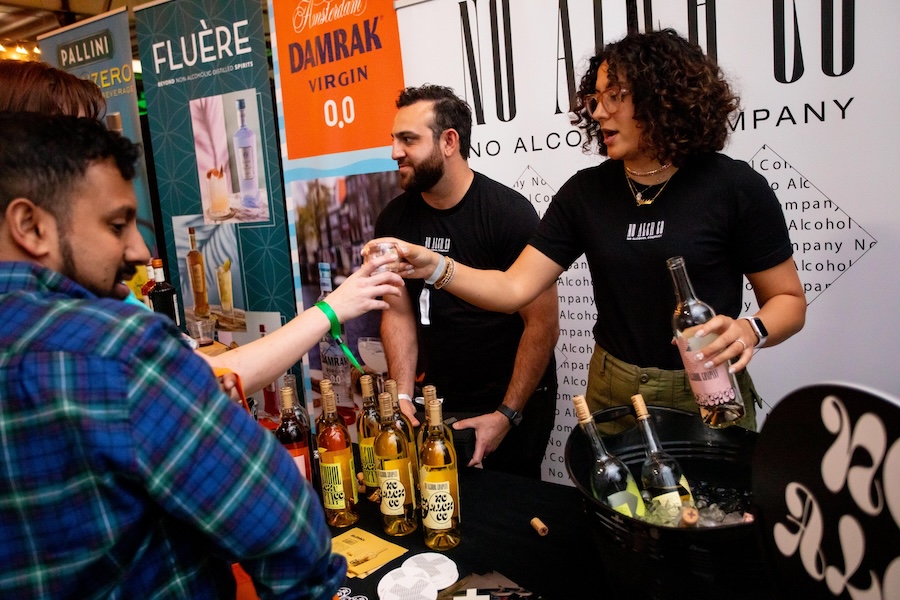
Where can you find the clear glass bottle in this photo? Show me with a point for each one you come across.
(245, 156)
(163, 297)
(294, 434)
(197, 275)
(396, 477)
(290, 380)
(438, 481)
(661, 475)
(336, 466)
(368, 425)
(611, 481)
(429, 391)
(403, 422)
(335, 366)
(715, 390)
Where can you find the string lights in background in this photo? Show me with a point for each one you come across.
(19, 50)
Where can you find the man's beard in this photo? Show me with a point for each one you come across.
(71, 271)
(426, 174)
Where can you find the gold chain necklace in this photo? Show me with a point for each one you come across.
(647, 173)
(638, 196)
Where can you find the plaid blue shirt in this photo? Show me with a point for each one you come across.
(126, 473)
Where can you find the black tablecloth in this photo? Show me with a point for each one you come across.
(496, 511)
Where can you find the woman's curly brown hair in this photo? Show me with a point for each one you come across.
(681, 99)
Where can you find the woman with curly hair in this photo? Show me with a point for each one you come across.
(658, 107)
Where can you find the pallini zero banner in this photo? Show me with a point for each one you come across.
(339, 74)
(814, 98)
(210, 112)
(99, 49)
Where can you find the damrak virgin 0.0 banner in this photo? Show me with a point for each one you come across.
(212, 126)
(99, 50)
(813, 92)
(337, 75)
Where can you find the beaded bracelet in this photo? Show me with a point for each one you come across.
(336, 333)
(447, 277)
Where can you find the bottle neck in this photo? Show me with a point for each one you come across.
(684, 291)
(193, 241)
(595, 439)
(160, 275)
(242, 117)
(651, 440)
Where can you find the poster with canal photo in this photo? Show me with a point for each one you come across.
(213, 259)
(229, 157)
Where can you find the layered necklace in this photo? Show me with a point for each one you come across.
(639, 194)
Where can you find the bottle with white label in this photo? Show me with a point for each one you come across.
(715, 390)
(396, 478)
(661, 475)
(438, 481)
(245, 155)
(611, 481)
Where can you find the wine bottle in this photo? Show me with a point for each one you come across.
(245, 155)
(270, 399)
(438, 481)
(611, 481)
(396, 478)
(290, 380)
(715, 390)
(368, 424)
(429, 391)
(661, 475)
(148, 285)
(403, 422)
(336, 467)
(293, 434)
(335, 365)
(163, 297)
(197, 275)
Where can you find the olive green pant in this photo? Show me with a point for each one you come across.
(612, 382)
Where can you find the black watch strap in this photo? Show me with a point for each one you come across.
(514, 416)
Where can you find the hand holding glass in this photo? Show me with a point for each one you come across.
(374, 250)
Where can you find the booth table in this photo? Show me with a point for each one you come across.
(496, 511)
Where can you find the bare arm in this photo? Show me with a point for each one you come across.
(262, 361)
(541, 318)
(500, 291)
(782, 303)
(401, 347)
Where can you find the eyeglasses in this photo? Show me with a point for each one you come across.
(610, 97)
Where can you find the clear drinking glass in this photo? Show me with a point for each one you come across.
(373, 251)
(219, 193)
(226, 292)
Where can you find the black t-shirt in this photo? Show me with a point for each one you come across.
(466, 352)
(716, 212)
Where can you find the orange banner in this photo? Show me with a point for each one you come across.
(340, 72)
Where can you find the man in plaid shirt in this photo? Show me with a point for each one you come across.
(124, 471)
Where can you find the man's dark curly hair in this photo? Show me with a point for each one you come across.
(681, 99)
(45, 157)
(450, 112)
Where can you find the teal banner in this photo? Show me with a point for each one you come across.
(212, 127)
(99, 49)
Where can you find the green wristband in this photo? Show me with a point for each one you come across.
(336, 333)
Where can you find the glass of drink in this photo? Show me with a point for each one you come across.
(202, 330)
(219, 207)
(374, 250)
(226, 295)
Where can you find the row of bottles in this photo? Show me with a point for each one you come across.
(665, 487)
(394, 473)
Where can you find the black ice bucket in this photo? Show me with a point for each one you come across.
(641, 560)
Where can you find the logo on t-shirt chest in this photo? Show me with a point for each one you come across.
(437, 244)
(645, 231)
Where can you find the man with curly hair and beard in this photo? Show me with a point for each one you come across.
(658, 107)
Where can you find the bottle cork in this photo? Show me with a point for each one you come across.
(539, 526)
(689, 517)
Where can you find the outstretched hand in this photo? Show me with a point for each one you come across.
(363, 290)
(416, 262)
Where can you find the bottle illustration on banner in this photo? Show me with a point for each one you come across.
(197, 275)
(245, 155)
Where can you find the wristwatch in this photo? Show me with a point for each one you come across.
(759, 329)
(514, 416)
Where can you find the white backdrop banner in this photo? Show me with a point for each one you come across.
(818, 87)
